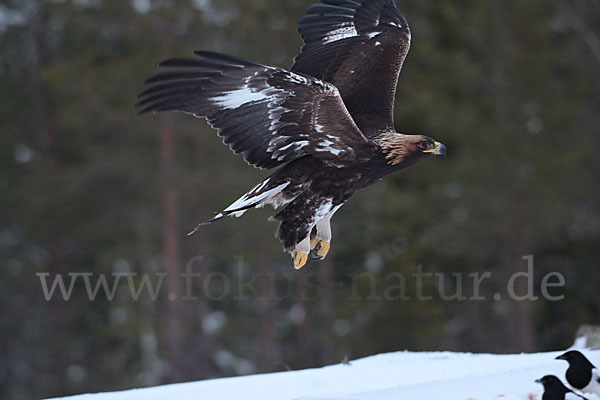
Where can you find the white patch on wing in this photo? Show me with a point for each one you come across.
(258, 200)
(325, 146)
(275, 113)
(341, 33)
(278, 145)
(287, 146)
(239, 97)
(335, 152)
(279, 153)
(394, 23)
(295, 78)
(373, 34)
(260, 186)
(377, 43)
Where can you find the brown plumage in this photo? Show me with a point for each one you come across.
(327, 124)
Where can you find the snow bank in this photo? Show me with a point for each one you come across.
(403, 375)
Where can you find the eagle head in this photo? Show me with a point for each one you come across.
(405, 150)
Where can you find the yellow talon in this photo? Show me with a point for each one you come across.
(323, 248)
(313, 243)
(299, 259)
(320, 248)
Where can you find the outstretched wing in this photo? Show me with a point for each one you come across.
(359, 46)
(271, 115)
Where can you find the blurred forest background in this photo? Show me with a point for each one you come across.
(512, 87)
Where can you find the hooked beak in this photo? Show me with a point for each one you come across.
(440, 150)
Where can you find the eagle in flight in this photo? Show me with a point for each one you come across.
(326, 124)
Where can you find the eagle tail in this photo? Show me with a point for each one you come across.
(222, 215)
(258, 196)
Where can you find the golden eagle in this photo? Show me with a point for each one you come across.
(327, 123)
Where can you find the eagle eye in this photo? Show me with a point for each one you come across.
(425, 146)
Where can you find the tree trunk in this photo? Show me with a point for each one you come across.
(304, 331)
(171, 233)
(51, 158)
(267, 330)
(327, 314)
(171, 244)
(519, 321)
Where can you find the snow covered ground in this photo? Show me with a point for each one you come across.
(403, 375)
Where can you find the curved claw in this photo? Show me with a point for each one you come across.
(299, 259)
(320, 248)
(313, 254)
(313, 243)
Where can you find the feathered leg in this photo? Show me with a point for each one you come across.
(297, 221)
(321, 241)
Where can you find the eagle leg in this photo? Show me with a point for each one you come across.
(303, 216)
(299, 259)
(300, 253)
(321, 242)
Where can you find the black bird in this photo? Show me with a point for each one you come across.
(327, 124)
(555, 390)
(582, 374)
